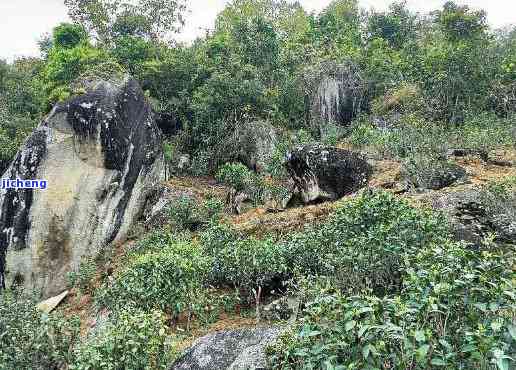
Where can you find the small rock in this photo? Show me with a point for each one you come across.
(242, 349)
(50, 304)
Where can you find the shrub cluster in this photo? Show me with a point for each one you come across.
(30, 339)
(170, 279)
(132, 340)
(398, 294)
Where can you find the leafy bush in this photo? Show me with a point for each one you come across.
(455, 311)
(235, 175)
(82, 278)
(363, 245)
(243, 262)
(184, 213)
(132, 340)
(169, 279)
(30, 339)
(427, 171)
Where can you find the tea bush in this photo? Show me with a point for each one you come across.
(131, 340)
(184, 213)
(170, 279)
(81, 279)
(243, 262)
(30, 339)
(456, 310)
(364, 243)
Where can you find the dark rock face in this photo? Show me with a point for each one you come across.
(338, 95)
(101, 154)
(168, 123)
(474, 214)
(229, 350)
(327, 173)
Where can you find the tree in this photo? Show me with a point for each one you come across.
(107, 19)
(459, 22)
(68, 36)
(397, 26)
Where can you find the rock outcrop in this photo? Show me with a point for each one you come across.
(100, 153)
(338, 94)
(327, 173)
(229, 350)
(474, 214)
(255, 143)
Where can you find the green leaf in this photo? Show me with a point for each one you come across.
(438, 362)
(350, 325)
(420, 335)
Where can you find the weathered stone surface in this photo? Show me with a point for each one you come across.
(229, 350)
(101, 154)
(475, 213)
(338, 94)
(255, 143)
(327, 173)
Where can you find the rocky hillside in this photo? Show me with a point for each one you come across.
(291, 191)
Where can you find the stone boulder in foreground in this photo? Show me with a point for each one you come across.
(101, 154)
(323, 173)
(242, 349)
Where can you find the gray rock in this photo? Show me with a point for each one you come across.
(338, 94)
(476, 213)
(242, 349)
(327, 173)
(101, 154)
(255, 143)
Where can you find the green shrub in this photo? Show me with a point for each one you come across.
(82, 278)
(364, 243)
(235, 175)
(430, 172)
(170, 279)
(132, 340)
(455, 311)
(243, 262)
(184, 213)
(30, 339)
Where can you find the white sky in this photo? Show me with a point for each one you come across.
(23, 21)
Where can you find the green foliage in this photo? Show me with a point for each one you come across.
(183, 213)
(133, 339)
(170, 279)
(106, 19)
(68, 36)
(30, 339)
(363, 244)
(83, 277)
(245, 263)
(235, 175)
(453, 309)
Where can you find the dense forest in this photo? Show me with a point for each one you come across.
(380, 281)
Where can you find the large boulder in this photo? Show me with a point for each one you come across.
(475, 213)
(242, 349)
(255, 143)
(337, 93)
(100, 154)
(326, 173)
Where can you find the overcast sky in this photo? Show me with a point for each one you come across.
(23, 21)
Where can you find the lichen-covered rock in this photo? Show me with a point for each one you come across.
(255, 143)
(474, 214)
(101, 154)
(229, 350)
(338, 92)
(327, 173)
